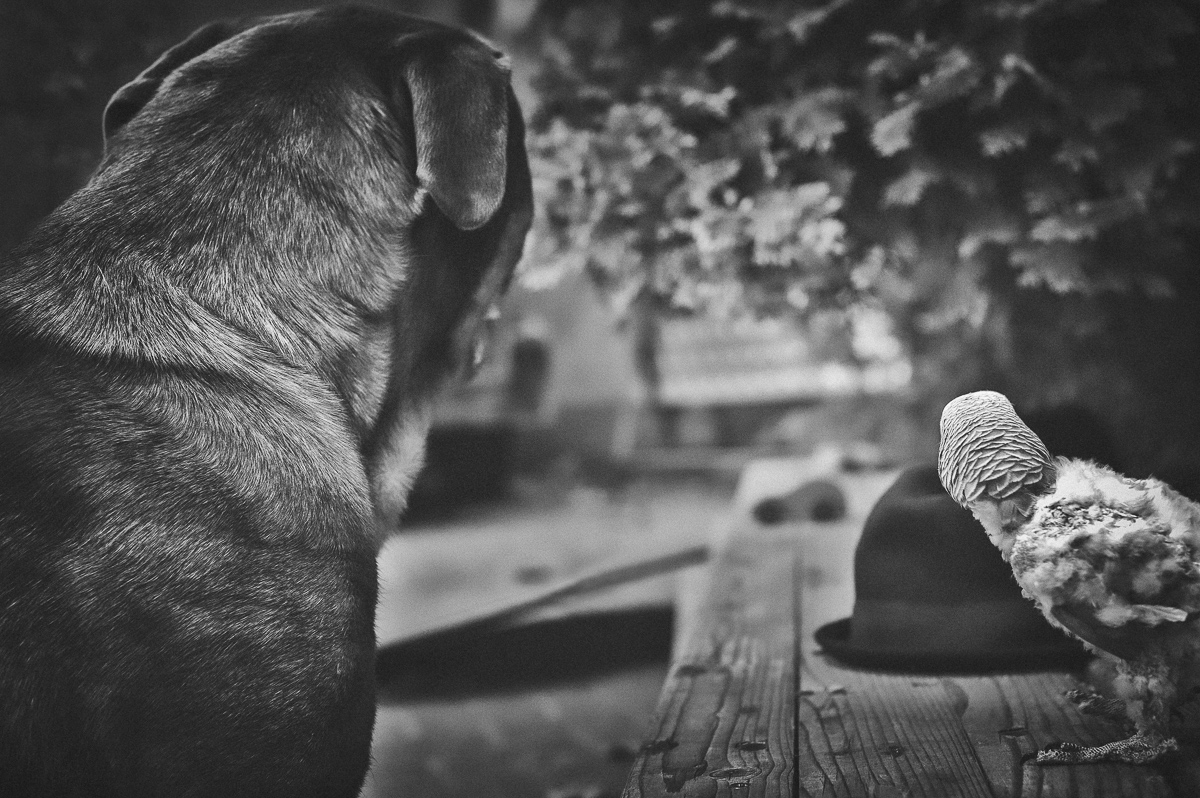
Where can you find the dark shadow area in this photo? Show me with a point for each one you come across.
(466, 466)
(1074, 430)
(475, 661)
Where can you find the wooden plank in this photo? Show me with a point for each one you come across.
(877, 734)
(870, 734)
(1008, 716)
(725, 724)
(725, 721)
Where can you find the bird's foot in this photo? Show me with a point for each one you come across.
(1140, 749)
(1090, 702)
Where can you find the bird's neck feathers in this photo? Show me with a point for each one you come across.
(989, 515)
(1083, 482)
(1003, 518)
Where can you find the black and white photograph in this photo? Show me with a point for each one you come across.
(599, 398)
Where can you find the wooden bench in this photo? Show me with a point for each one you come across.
(751, 708)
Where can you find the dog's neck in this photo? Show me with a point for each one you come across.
(315, 355)
(235, 284)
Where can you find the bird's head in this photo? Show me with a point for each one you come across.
(989, 461)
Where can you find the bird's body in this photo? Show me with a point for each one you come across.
(1111, 560)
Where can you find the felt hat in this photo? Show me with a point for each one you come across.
(932, 593)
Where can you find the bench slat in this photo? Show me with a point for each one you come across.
(724, 724)
(869, 733)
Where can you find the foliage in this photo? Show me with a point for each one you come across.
(930, 158)
(60, 61)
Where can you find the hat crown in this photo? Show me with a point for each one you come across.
(919, 545)
(932, 593)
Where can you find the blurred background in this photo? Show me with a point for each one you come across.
(763, 229)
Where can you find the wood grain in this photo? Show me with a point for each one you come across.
(870, 734)
(1008, 716)
(725, 722)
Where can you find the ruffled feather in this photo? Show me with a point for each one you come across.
(1111, 544)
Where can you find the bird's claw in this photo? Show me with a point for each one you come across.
(1140, 749)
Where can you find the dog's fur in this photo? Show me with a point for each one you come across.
(214, 364)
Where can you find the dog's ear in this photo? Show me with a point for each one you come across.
(459, 94)
(133, 96)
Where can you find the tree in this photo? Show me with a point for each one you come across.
(1002, 178)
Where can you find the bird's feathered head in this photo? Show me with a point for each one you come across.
(987, 451)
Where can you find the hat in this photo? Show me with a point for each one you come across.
(933, 594)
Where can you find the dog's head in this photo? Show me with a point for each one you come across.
(347, 187)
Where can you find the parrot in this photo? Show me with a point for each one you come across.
(1111, 560)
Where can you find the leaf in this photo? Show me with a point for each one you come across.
(796, 226)
(816, 196)
(803, 23)
(913, 50)
(1057, 266)
(1086, 220)
(1015, 10)
(725, 48)
(713, 104)
(1076, 154)
(991, 226)
(1002, 82)
(665, 26)
(814, 119)
(998, 141)
(1046, 192)
(1156, 156)
(869, 270)
(891, 65)
(962, 299)
(894, 132)
(1063, 228)
(717, 234)
(746, 11)
(908, 189)
(956, 74)
(701, 180)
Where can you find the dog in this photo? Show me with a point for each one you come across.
(216, 360)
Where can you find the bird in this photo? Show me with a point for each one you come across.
(1111, 560)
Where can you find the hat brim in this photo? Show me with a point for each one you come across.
(1064, 654)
